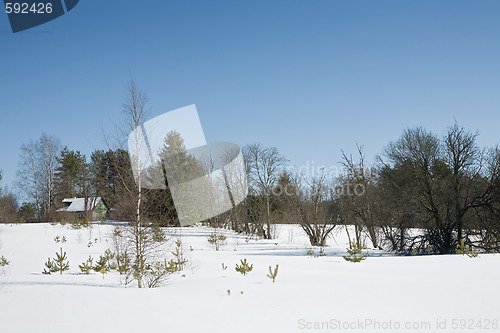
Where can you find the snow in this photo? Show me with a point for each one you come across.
(309, 292)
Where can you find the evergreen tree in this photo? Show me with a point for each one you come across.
(273, 273)
(244, 268)
(60, 262)
(71, 174)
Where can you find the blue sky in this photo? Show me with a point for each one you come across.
(309, 77)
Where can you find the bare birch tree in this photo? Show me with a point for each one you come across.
(135, 113)
(36, 173)
(264, 168)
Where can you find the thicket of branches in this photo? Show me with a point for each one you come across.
(424, 194)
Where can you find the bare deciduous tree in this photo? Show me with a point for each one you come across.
(36, 173)
(264, 168)
(316, 214)
(135, 113)
(361, 186)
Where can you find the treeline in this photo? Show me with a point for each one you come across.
(424, 194)
(49, 173)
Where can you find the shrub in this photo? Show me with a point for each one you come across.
(110, 263)
(59, 264)
(464, 249)
(273, 273)
(123, 263)
(100, 264)
(244, 268)
(103, 271)
(58, 239)
(180, 261)
(217, 240)
(49, 267)
(4, 261)
(156, 274)
(87, 266)
(355, 252)
(78, 224)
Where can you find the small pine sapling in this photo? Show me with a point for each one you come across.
(84, 223)
(61, 263)
(86, 266)
(57, 239)
(100, 264)
(473, 253)
(157, 273)
(461, 248)
(224, 267)
(465, 249)
(159, 235)
(103, 271)
(49, 267)
(110, 264)
(218, 240)
(4, 261)
(244, 268)
(355, 252)
(124, 263)
(63, 239)
(273, 273)
(180, 260)
(76, 224)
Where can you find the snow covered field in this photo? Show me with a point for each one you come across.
(450, 293)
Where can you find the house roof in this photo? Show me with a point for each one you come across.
(78, 204)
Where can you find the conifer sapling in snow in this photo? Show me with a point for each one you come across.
(244, 268)
(4, 261)
(49, 267)
(273, 273)
(464, 249)
(180, 261)
(86, 266)
(103, 271)
(217, 240)
(100, 264)
(355, 252)
(60, 262)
